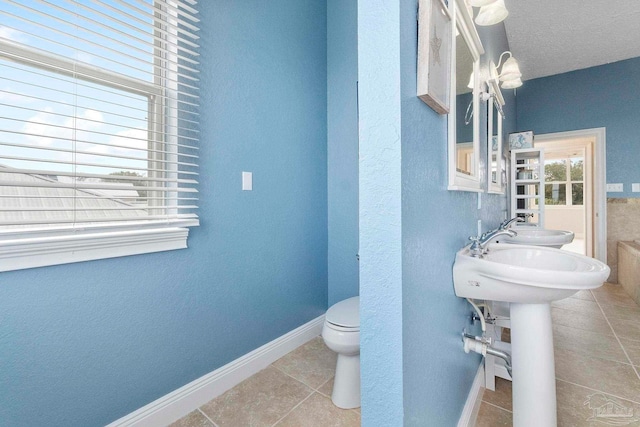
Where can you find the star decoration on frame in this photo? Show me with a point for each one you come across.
(436, 43)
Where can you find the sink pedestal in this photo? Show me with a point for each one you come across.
(534, 380)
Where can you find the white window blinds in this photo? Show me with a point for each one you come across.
(98, 116)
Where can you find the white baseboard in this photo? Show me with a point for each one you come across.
(471, 408)
(182, 401)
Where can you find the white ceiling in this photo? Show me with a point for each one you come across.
(555, 36)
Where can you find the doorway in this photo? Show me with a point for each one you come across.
(575, 197)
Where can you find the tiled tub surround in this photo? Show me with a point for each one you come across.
(629, 268)
(293, 391)
(596, 337)
(623, 224)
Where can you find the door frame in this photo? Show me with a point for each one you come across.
(599, 217)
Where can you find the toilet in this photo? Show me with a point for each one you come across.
(341, 333)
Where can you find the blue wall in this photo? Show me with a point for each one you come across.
(84, 344)
(342, 148)
(605, 96)
(380, 212)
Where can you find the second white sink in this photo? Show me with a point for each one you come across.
(539, 237)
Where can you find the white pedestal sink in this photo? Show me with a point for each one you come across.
(529, 278)
(539, 237)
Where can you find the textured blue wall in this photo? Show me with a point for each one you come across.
(84, 344)
(605, 96)
(342, 148)
(380, 219)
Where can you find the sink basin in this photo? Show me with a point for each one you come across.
(528, 278)
(525, 274)
(539, 237)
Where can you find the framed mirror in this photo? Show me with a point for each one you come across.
(463, 125)
(495, 114)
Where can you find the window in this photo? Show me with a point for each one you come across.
(99, 129)
(564, 182)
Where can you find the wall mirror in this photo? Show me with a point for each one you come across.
(463, 126)
(495, 115)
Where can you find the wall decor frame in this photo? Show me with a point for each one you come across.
(434, 54)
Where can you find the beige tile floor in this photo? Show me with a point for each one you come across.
(294, 391)
(597, 355)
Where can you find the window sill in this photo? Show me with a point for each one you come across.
(30, 252)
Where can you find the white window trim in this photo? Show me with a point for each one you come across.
(31, 252)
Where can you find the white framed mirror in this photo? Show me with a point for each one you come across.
(463, 123)
(495, 114)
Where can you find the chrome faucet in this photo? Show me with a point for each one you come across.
(509, 222)
(479, 244)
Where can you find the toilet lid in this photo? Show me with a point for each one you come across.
(345, 313)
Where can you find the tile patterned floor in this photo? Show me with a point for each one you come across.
(294, 391)
(597, 355)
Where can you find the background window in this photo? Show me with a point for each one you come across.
(564, 181)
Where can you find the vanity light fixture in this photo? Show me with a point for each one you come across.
(491, 11)
(510, 73)
(510, 68)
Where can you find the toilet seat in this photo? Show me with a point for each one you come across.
(344, 316)
(341, 328)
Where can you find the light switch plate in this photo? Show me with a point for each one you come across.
(615, 188)
(247, 181)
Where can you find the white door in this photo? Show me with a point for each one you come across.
(574, 188)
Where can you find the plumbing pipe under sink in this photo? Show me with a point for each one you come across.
(483, 347)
